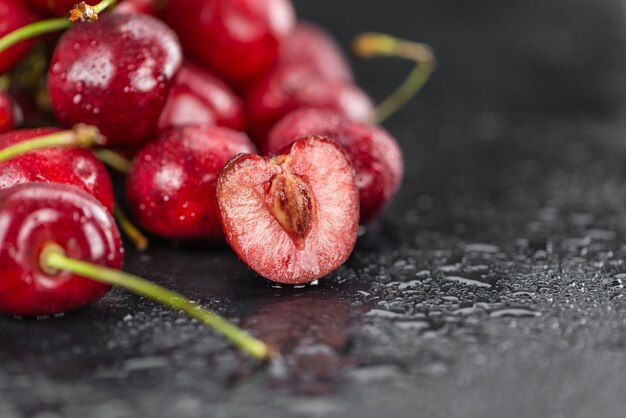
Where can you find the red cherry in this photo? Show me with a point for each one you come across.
(292, 218)
(171, 186)
(58, 7)
(313, 47)
(147, 7)
(198, 97)
(375, 154)
(13, 15)
(75, 167)
(238, 39)
(115, 74)
(294, 87)
(37, 214)
(7, 113)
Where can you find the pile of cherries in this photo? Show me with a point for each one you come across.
(242, 124)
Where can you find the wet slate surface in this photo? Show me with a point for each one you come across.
(493, 286)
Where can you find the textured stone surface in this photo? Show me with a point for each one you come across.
(492, 287)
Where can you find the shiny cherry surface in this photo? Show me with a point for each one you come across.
(115, 74)
(35, 214)
(13, 15)
(7, 113)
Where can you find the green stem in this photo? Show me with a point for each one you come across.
(79, 136)
(53, 258)
(130, 230)
(114, 160)
(369, 45)
(42, 27)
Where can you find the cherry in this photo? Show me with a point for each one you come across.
(76, 167)
(35, 215)
(102, 72)
(374, 153)
(292, 218)
(13, 15)
(293, 87)
(171, 185)
(198, 97)
(57, 7)
(238, 39)
(7, 113)
(312, 46)
(147, 7)
(60, 251)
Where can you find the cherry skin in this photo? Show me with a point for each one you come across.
(36, 214)
(312, 46)
(7, 113)
(198, 97)
(115, 74)
(171, 186)
(292, 218)
(238, 39)
(75, 167)
(375, 154)
(13, 15)
(294, 87)
(147, 7)
(57, 7)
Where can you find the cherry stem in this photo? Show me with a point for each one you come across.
(80, 12)
(114, 160)
(79, 136)
(53, 258)
(130, 230)
(369, 45)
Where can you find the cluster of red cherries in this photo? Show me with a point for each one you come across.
(242, 124)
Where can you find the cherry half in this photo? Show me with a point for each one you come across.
(13, 15)
(60, 251)
(103, 73)
(238, 39)
(292, 218)
(171, 186)
(198, 97)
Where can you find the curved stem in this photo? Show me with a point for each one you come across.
(79, 136)
(130, 230)
(53, 258)
(369, 45)
(114, 160)
(80, 12)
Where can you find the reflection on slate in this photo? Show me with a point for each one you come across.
(492, 287)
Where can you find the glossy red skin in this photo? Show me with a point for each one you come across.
(75, 167)
(294, 87)
(57, 7)
(256, 236)
(375, 154)
(147, 7)
(115, 74)
(13, 15)
(7, 114)
(198, 97)
(171, 186)
(35, 214)
(313, 47)
(238, 39)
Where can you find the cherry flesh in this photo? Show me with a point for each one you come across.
(115, 73)
(198, 97)
(375, 154)
(37, 214)
(294, 87)
(13, 15)
(171, 186)
(238, 39)
(292, 218)
(76, 167)
(7, 113)
(312, 46)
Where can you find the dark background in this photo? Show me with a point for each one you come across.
(491, 287)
